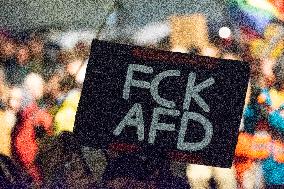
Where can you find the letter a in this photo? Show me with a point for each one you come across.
(134, 117)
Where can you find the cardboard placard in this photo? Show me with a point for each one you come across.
(188, 106)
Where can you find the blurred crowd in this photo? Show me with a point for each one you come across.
(40, 91)
(40, 86)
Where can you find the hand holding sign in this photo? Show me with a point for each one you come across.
(181, 104)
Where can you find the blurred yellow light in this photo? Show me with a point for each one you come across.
(256, 47)
(277, 52)
(272, 30)
(65, 119)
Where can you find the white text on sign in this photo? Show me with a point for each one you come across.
(134, 117)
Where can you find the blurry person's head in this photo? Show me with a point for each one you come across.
(268, 76)
(67, 83)
(65, 57)
(74, 67)
(53, 85)
(278, 72)
(34, 85)
(16, 96)
(23, 55)
(82, 49)
(7, 47)
(51, 52)
(36, 46)
(210, 51)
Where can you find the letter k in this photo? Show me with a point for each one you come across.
(192, 92)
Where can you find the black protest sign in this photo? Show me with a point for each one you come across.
(186, 105)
